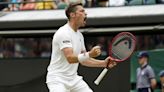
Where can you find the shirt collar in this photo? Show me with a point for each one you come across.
(70, 28)
(144, 66)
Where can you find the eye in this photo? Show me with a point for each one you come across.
(82, 10)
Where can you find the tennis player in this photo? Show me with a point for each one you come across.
(68, 50)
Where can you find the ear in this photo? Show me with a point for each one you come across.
(72, 15)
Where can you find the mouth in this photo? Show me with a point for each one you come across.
(85, 19)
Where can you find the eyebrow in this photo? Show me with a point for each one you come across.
(83, 10)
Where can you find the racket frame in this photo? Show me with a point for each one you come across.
(118, 35)
(105, 70)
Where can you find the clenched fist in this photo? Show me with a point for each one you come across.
(95, 51)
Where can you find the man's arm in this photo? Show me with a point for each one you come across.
(72, 58)
(153, 83)
(94, 63)
(91, 62)
(100, 63)
(151, 75)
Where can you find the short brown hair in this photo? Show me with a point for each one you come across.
(71, 8)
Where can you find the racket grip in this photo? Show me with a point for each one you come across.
(101, 76)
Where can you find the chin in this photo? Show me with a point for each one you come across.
(83, 25)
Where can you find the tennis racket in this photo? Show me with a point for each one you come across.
(121, 48)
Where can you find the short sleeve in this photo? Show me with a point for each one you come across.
(64, 41)
(151, 73)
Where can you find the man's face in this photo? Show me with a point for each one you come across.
(162, 79)
(141, 60)
(80, 16)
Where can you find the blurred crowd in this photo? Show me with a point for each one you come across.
(41, 47)
(25, 47)
(16, 5)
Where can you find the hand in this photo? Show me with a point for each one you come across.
(95, 51)
(111, 62)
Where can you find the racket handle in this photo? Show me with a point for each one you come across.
(100, 77)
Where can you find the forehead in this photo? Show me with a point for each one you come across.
(79, 8)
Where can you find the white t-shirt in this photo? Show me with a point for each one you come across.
(59, 66)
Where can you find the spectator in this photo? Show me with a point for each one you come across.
(28, 5)
(90, 43)
(159, 41)
(161, 74)
(148, 2)
(14, 6)
(32, 47)
(102, 42)
(18, 50)
(92, 3)
(160, 1)
(63, 4)
(8, 47)
(46, 4)
(88, 3)
(3, 5)
(78, 1)
(146, 42)
(1, 48)
(117, 2)
(103, 3)
(45, 48)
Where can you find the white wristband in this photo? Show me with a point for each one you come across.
(83, 57)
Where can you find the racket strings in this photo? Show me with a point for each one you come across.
(123, 47)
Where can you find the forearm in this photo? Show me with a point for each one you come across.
(72, 58)
(153, 83)
(84, 57)
(79, 58)
(94, 63)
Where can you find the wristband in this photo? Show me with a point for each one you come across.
(83, 57)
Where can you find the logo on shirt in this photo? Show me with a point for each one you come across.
(66, 41)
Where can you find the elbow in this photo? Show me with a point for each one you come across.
(71, 60)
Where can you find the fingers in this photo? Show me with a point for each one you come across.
(98, 47)
(95, 51)
(110, 62)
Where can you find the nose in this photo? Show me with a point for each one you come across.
(85, 14)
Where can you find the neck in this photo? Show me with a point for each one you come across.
(144, 64)
(73, 25)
